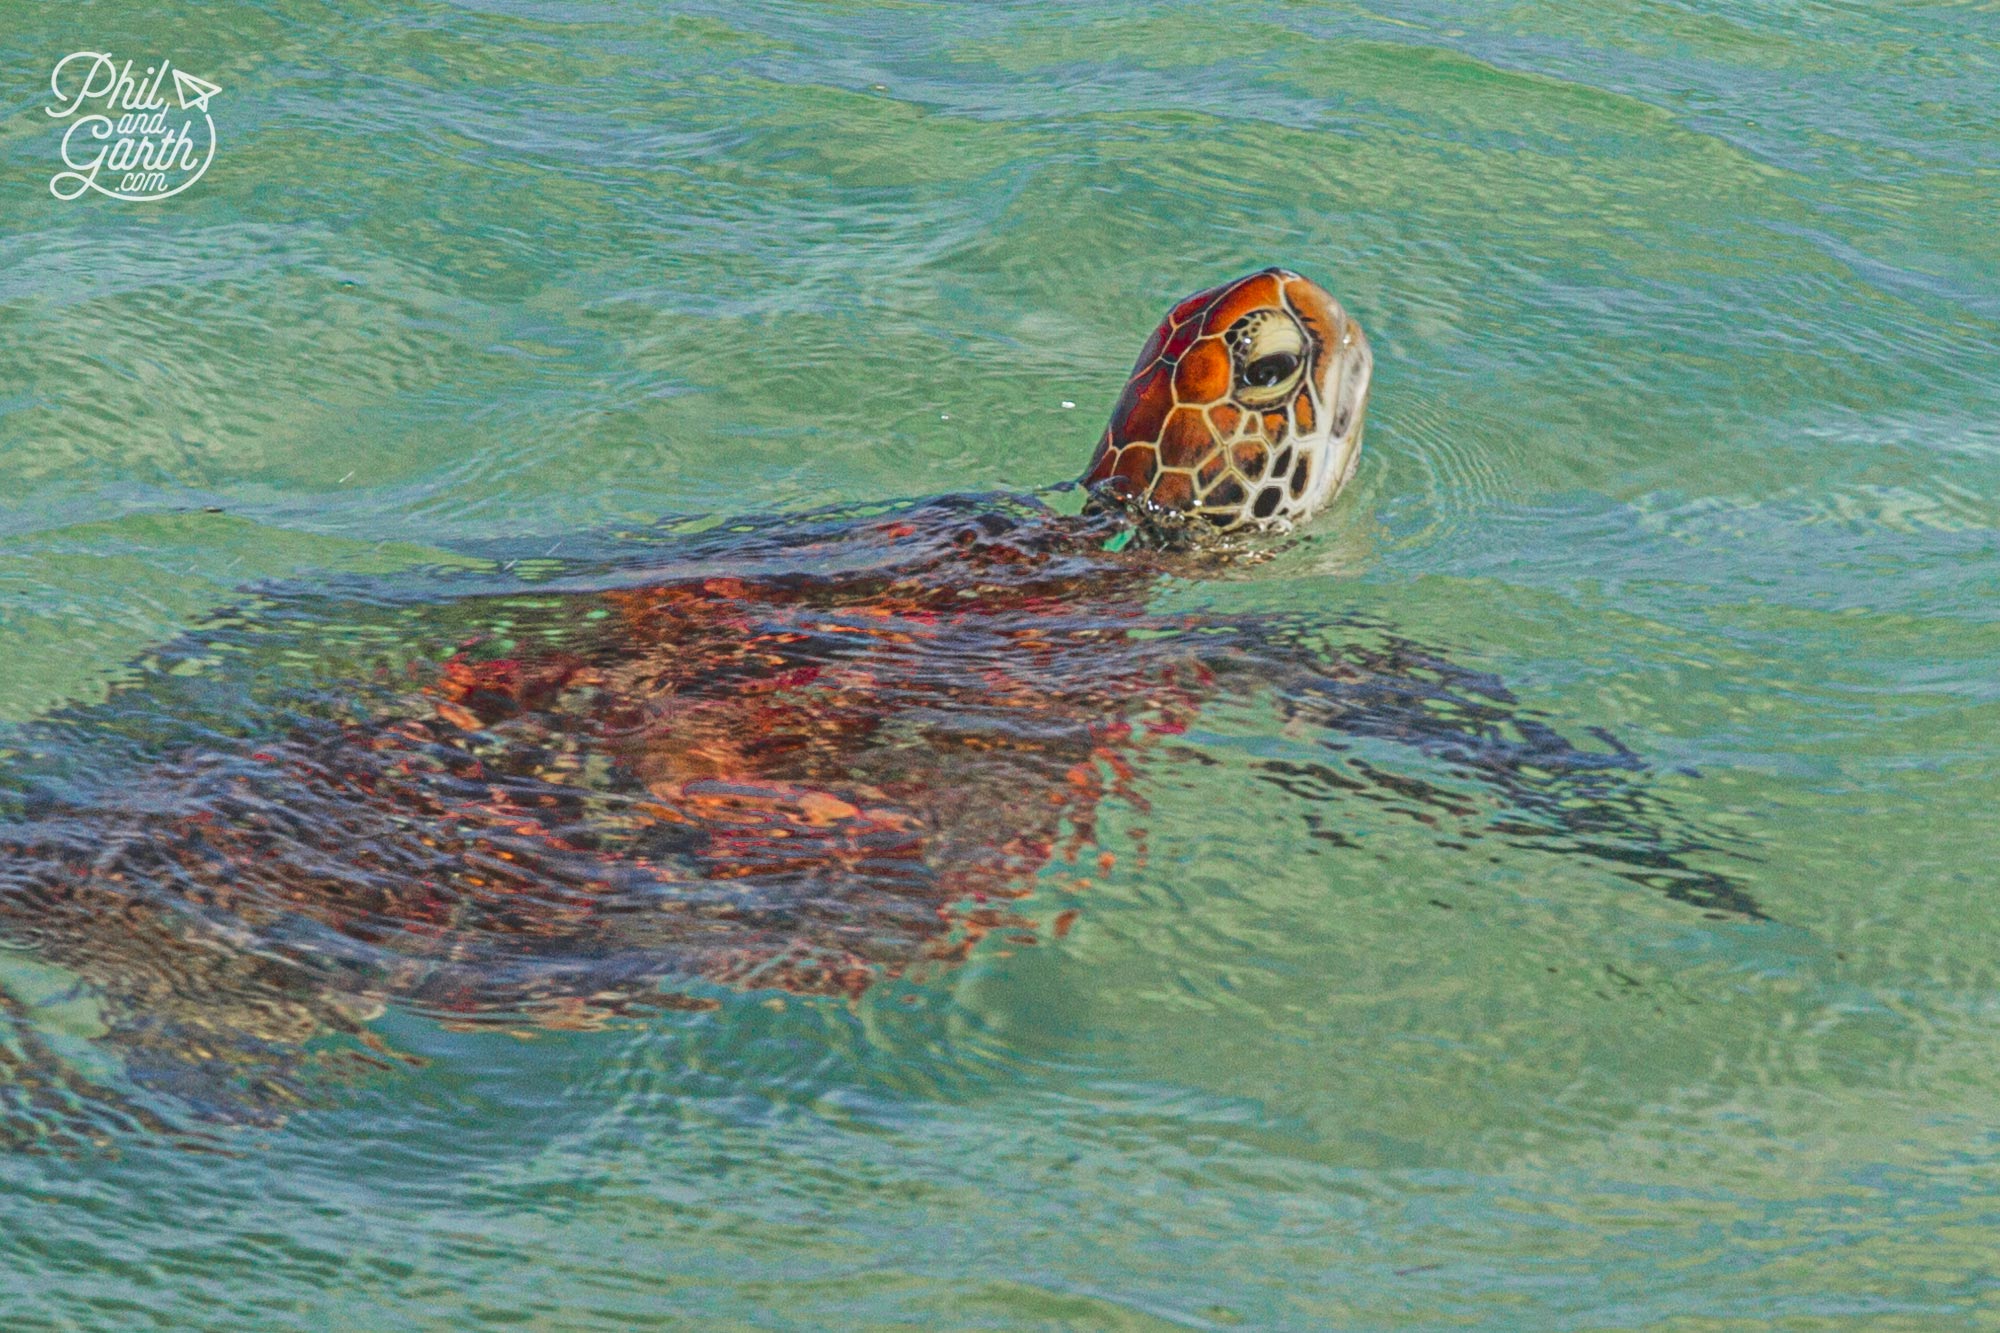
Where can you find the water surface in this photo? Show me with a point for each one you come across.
(1685, 323)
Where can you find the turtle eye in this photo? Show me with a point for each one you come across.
(1269, 351)
(1266, 371)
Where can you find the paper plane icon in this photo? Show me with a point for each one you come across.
(192, 91)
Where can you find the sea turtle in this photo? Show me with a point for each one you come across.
(804, 754)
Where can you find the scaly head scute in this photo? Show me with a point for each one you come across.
(1244, 408)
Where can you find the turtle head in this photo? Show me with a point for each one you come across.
(1244, 408)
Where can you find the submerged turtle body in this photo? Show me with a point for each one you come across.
(805, 755)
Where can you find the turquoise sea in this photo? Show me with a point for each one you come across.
(1685, 426)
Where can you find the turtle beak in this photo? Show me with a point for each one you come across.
(1347, 366)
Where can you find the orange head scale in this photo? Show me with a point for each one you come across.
(1245, 407)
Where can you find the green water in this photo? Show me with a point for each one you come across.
(1686, 319)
